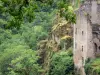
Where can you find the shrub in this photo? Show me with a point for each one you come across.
(62, 63)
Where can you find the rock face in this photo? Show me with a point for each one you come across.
(87, 33)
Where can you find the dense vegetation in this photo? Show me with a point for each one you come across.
(23, 25)
(36, 38)
(61, 63)
(92, 67)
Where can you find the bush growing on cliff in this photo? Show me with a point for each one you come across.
(62, 63)
(93, 67)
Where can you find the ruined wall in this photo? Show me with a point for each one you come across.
(81, 41)
(86, 33)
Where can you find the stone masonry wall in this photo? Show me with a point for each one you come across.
(86, 33)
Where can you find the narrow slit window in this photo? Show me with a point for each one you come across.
(82, 48)
(82, 33)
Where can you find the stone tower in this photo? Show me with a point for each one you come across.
(86, 33)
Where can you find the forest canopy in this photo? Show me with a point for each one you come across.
(23, 25)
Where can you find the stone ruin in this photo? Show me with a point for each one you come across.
(87, 33)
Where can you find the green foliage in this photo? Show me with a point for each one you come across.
(15, 12)
(67, 11)
(20, 60)
(64, 6)
(4, 35)
(62, 63)
(93, 67)
(16, 56)
(38, 30)
(18, 48)
(26, 63)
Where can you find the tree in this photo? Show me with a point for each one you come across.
(19, 60)
(15, 12)
(62, 63)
